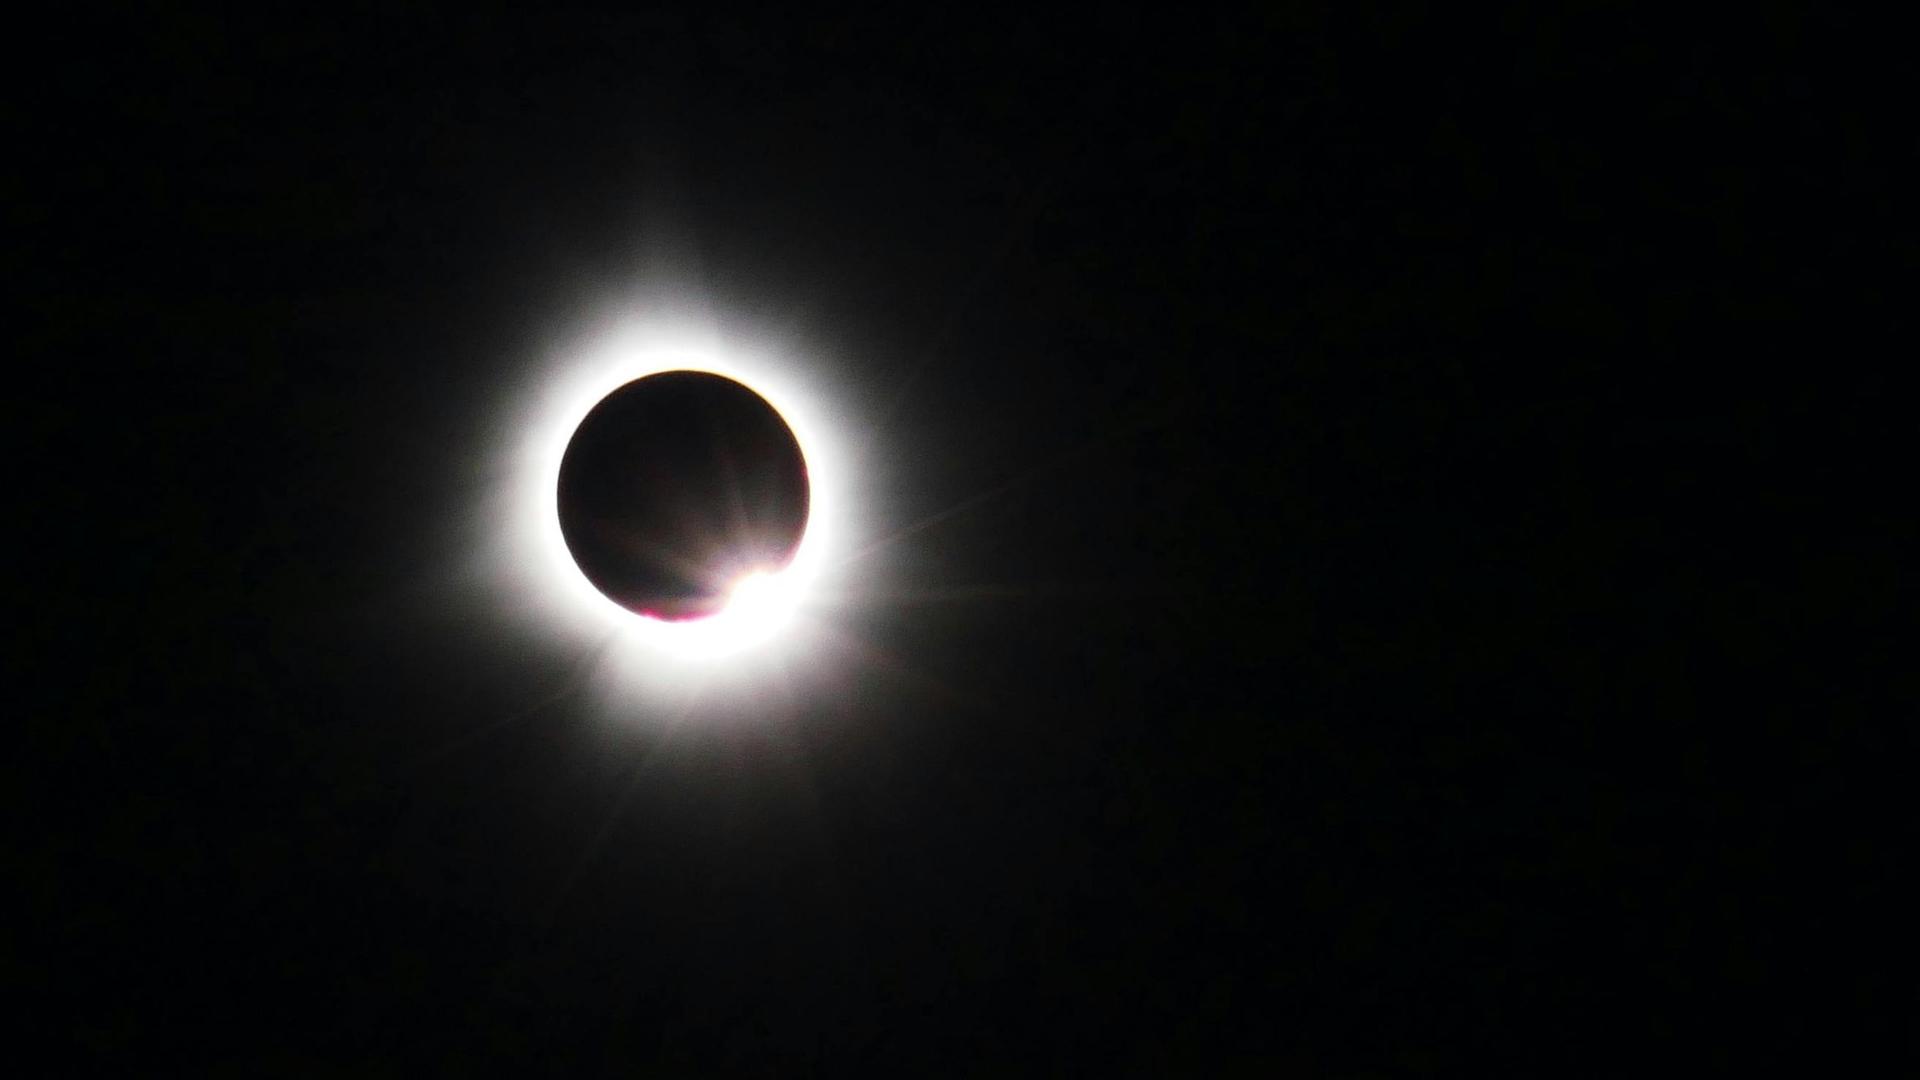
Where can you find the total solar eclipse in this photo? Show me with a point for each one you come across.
(677, 488)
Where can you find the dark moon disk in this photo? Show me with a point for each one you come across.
(675, 487)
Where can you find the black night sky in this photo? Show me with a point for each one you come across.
(1347, 591)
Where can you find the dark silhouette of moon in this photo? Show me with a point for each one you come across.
(678, 485)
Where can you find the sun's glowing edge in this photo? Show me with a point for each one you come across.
(760, 614)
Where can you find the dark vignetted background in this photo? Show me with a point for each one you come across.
(1397, 633)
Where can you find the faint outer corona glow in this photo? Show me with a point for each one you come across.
(764, 621)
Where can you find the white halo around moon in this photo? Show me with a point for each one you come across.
(764, 624)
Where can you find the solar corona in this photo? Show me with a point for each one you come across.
(666, 502)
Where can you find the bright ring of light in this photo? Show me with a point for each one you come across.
(760, 606)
